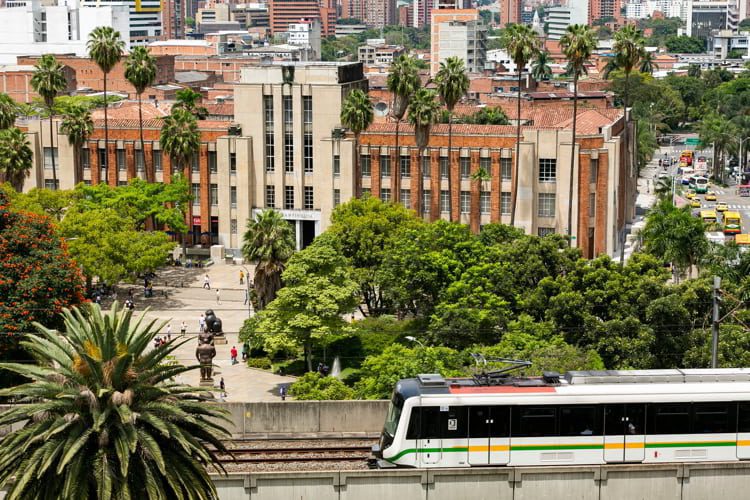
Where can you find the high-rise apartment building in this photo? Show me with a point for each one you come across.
(379, 13)
(510, 12)
(285, 12)
(599, 9)
(465, 37)
(173, 19)
(145, 19)
(703, 17)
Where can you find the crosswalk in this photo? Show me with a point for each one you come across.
(734, 208)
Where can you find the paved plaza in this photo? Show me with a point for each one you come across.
(179, 295)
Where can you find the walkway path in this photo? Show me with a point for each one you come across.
(179, 296)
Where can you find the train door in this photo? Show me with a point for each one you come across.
(500, 435)
(624, 429)
(743, 434)
(489, 442)
(429, 444)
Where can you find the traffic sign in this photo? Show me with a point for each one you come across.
(692, 141)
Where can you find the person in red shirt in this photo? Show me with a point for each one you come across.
(233, 354)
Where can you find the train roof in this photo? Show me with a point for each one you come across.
(593, 381)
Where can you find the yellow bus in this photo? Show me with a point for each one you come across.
(708, 216)
(732, 223)
(742, 239)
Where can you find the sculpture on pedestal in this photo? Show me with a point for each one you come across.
(205, 353)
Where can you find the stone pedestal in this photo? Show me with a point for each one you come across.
(220, 339)
(207, 383)
(217, 254)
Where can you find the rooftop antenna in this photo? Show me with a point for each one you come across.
(499, 375)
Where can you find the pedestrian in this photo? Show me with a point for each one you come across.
(233, 354)
(282, 392)
(201, 323)
(183, 328)
(130, 293)
(223, 387)
(169, 331)
(247, 297)
(242, 277)
(206, 282)
(218, 298)
(157, 342)
(245, 351)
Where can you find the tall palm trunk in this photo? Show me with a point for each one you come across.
(106, 134)
(450, 165)
(77, 163)
(52, 150)
(143, 150)
(625, 116)
(572, 160)
(514, 177)
(357, 173)
(395, 166)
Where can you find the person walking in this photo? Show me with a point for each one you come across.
(242, 277)
(223, 388)
(183, 328)
(282, 392)
(169, 331)
(206, 282)
(201, 323)
(218, 297)
(245, 351)
(233, 354)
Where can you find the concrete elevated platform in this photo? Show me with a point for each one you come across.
(679, 481)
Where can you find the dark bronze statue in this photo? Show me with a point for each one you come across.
(205, 353)
(213, 323)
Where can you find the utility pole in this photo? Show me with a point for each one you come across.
(715, 324)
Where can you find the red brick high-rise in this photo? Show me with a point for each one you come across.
(603, 9)
(510, 12)
(285, 12)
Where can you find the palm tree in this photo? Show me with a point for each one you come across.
(522, 44)
(540, 70)
(78, 126)
(140, 70)
(8, 111)
(424, 111)
(452, 85)
(647, 63)
(188, 99)
(16, 157)
(105, 47)
(48, 80)
(104, 417)
(269, 242)
(357, 115)
(629, 49)
(403, 80)
(718, 131)
(578, 42)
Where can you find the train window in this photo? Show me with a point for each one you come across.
(714, 418)
(454, 423)
(500, 421)
(669, 418)
(532, 421)
(479, 421)
(624, 419)
(415, 421)
(430, 428)
(744, 417)
(580, 421)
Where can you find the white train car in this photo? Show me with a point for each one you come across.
(648, 416)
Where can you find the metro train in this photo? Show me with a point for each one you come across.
(581, 418)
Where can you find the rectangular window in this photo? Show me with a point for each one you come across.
(505, 203)
(546, 205)
(336, 165)
(406, 198)
(531, 421)
(592, 204)
(716, 418)
(545, 231)
(269, 136)
(307, 146)
(506, 168)
(426, 167)
(307, 119)
(212, 165)
(270, 196)
(157, 161)
(426, 200)
(122, 183)
(102, 159)
(385, 194)
(214, 194)
(194, 163)
(51, 184)
(484, 202)
(547, 170)
(465, 167)
(196, 192)
(233, 196)
(445, 202)
(120, 156)
(385, 165)
(405, 166)
(364, 165)
(744, 417)
(309, 199)
(232, 163)
(289, 197)
(85, 159)
(288, 114)
(233, 226)
(336, 197)
(580, 421)
(366, 192)
(594, 170)
(444, 167)
(139, 163)
(465, 202)
(484, 164)
(307, 112)
(668, 418)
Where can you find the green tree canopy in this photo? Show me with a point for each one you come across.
(683, 44)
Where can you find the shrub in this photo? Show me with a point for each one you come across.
(262, 363)
(313, 386)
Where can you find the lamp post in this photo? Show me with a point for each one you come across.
(742, 162)
(247, 292)
(415, 340)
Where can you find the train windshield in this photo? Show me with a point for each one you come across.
(394, 414)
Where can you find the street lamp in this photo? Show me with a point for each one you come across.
(741, 141)
(414, 339)
(247, 292)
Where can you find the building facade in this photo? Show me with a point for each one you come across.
(510, 12)
(466, 40)
(283, 13)
(145, 19)
(444, 17)
(704, 17)
(306, 34)
(379, 13)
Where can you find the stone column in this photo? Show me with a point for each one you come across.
(435, 184)
(148, 161)
(496, 186)
(455, 194)
(94, 163)
(375, 172)
(112, 172)
(205, 182)
(474, 213)
(130, 161)
(416, 182)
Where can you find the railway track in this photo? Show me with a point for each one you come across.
(299, 452)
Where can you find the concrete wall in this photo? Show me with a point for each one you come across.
(727, 481)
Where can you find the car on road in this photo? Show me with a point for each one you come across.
(710, 196)
(690, 195)
(695, 203)
(721, 207)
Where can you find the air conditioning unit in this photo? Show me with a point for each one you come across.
(338, 133)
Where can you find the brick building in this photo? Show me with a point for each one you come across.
(89, 76)
(15, 80)
(285, 12)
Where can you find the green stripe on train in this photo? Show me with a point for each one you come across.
(563, 447)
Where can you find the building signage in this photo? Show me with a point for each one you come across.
(295, 214)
